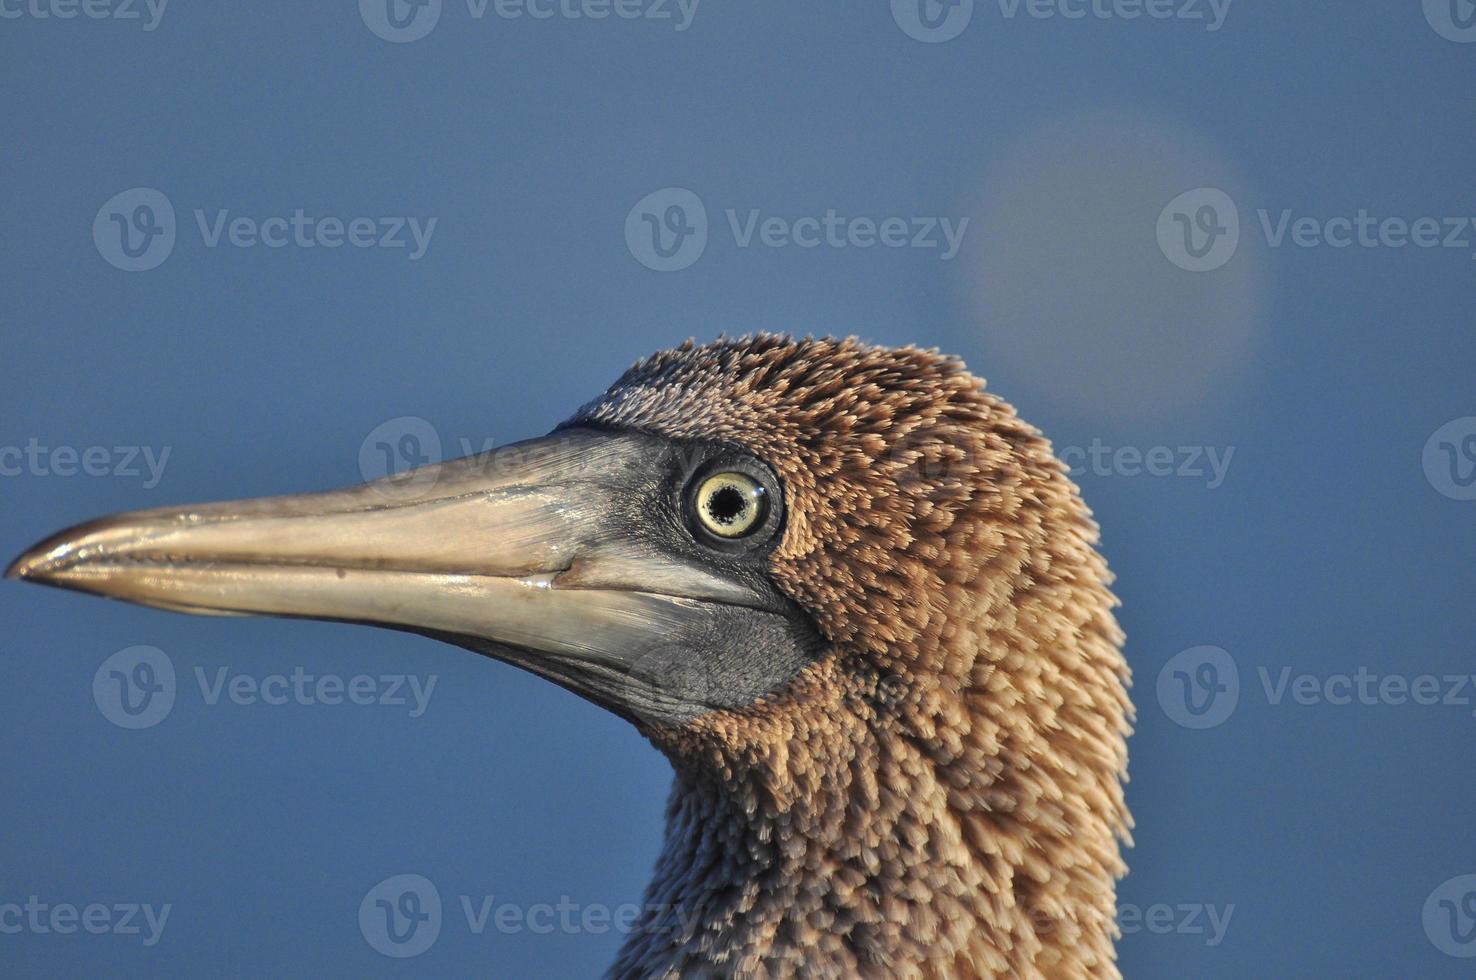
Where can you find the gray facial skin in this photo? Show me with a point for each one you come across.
(573, 556)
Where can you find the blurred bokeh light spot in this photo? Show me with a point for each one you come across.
(1070, 286)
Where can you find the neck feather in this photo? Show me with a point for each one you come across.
(872, 824)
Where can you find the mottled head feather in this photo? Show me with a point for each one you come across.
(940, 795)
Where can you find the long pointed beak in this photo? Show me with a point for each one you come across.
(530, 549)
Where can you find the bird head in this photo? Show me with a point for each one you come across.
(735, 545)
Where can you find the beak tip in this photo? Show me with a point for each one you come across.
(21, 568)
(29, 566)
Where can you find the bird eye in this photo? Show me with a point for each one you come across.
(731, 504)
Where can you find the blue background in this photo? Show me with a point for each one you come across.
(1325, 548)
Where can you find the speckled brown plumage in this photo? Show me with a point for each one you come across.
(940, 795)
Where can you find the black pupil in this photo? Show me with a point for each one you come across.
(726, 504)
